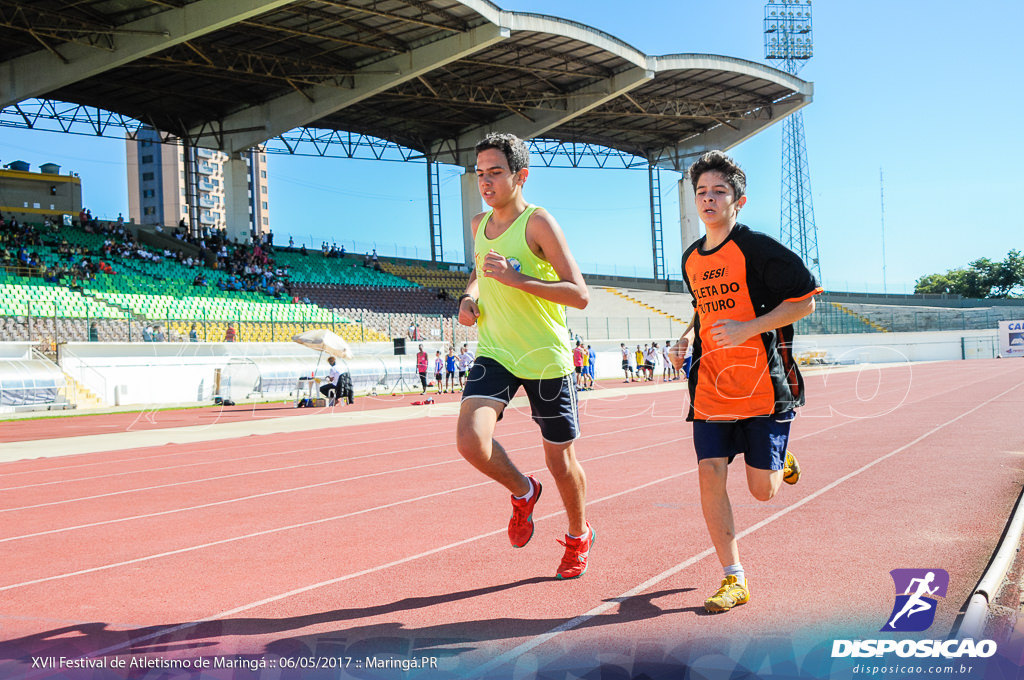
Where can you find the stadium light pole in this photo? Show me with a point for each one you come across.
(789, 43)
(881, 193)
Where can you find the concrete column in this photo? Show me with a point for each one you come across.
(689, 222)
(237, 220)
(471, 205)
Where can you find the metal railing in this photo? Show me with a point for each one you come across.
(52, 323)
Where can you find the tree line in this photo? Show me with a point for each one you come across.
(980, 279)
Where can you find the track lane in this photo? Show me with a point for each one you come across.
(443, 615)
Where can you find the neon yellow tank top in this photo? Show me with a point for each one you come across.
(524, 333)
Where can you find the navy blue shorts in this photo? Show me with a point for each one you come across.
(762, 441)
(552, 400)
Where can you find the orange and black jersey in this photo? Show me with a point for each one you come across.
(746, 276)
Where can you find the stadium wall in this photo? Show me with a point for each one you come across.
(923, 300)
(186, 373)
(884, 348)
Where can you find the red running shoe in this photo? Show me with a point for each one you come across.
(577, 550)
(520, 525)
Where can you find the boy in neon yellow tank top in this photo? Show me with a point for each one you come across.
(524, 276)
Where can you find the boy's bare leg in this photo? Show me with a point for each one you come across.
(764, 484)
(714, 501)
(571, 482)
(474, 438)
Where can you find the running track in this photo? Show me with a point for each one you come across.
(275, 533)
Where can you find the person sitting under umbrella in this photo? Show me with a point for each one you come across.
(338, 384)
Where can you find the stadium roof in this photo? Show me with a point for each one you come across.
(430, 75)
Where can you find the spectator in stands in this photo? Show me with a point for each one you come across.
(147, 334)
(94, 332)
(422, 363)
(229, 334)
(193, 334)
(158, 334)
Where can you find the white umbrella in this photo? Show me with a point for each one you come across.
(325, 341)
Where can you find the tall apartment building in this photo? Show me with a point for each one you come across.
(157, 189)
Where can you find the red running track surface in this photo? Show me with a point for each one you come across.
(377, 541)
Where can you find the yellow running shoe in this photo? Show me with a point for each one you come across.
(791, 472)
(728, 596)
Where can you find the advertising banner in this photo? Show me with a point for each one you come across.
(1011, 338)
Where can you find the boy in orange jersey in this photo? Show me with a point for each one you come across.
(748, 291)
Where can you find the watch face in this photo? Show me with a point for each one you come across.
(516, 264)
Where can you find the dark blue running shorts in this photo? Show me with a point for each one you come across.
(762, 440)
(552, 400)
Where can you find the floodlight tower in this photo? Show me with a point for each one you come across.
(789, 43)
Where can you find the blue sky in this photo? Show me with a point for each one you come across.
(917, 90)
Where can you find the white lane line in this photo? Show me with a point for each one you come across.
(266, 532)
(220, 478)
(276, 452)
(224, 502)
(314, 586)
(568, 625)
(299, 425)
(253, 472)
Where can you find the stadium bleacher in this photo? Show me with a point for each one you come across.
(360, 301)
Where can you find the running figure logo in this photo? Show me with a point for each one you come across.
(916, 593)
